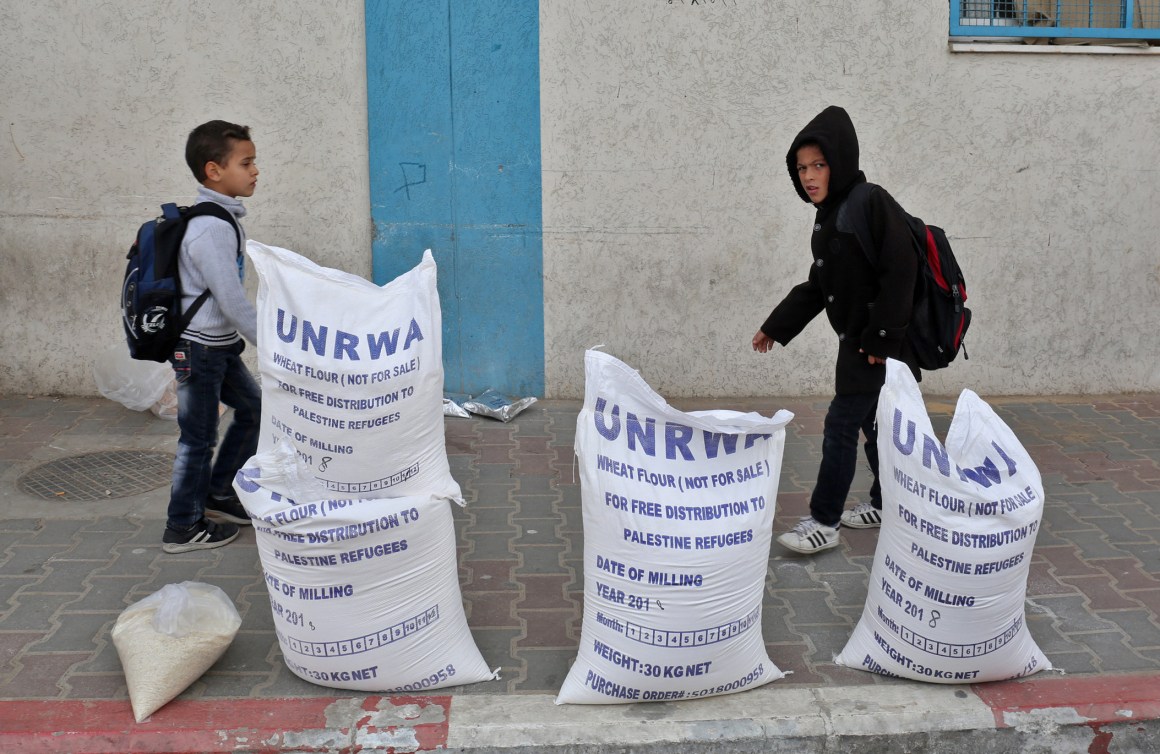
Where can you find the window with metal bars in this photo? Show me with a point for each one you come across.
(1062, 20)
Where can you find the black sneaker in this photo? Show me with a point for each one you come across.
(227, 509)
(204, 535)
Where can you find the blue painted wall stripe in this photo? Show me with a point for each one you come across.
(454, 121)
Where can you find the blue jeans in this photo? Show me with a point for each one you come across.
(207, 376)
(848, 414)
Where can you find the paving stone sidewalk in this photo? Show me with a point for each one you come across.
(68, 567)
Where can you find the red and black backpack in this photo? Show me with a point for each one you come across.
(940, 318)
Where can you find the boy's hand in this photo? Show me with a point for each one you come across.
(762, 343)
(872, 359)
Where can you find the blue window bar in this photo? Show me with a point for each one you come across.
(1074, 20)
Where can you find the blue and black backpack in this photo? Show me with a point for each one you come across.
(940, 318)
(151, 292)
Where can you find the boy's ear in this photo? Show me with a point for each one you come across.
(213, 171)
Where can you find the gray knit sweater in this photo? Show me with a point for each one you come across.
(209, 260)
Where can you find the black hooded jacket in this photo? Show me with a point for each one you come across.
(868, 305)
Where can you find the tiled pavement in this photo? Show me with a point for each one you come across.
(67, 568)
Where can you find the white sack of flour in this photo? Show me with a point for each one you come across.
(167, 640)
(352, 375)
(947, 590)
(678, 514)
(364, 591)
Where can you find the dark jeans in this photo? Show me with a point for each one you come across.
(847, 415)
(206, 377)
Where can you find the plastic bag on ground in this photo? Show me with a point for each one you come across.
(168, 640)
(948, 586)
(452, 408)
(166, 405)
(496, 405)
(678, 516)
(135, 384)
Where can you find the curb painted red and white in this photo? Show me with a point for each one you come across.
(315, 724)
(1106, 705)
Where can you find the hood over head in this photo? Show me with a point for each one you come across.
(833, 131)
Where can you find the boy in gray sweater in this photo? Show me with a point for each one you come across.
(203, 511)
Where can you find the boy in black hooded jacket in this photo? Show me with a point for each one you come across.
(868, 305)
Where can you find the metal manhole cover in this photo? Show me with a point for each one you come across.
(99, 476)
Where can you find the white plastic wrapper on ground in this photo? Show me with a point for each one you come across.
(365, 591)
(678, 514)
(135, 384)
(947, 590)
(352, 375)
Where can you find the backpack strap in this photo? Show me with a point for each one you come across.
(209, 209)
(189, 313)
(854, 217)
(213, 209)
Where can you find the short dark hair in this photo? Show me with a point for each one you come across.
(212, 142)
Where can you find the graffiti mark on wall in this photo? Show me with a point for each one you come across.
(414, 174)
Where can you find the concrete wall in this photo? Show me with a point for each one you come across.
(670, 225)
(97, 101)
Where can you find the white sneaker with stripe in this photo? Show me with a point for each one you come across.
(810, 536)
(862, 516)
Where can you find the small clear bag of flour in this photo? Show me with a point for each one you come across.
(167, 640)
